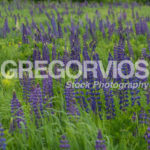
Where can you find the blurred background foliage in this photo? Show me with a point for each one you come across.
(104, 1)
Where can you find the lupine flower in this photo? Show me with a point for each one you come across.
(71, 106)
(2, 139)
(123, 92)
(48, 16)
(60, 33)
(148, 96)
(5, 28)
(141, 27)
(40, 9)
(45, 53)
(66, 57)
(24, 34)
(144, 53)
(53, 23)
(17, 113)
(148, 138)
(36, 55)
(134, 92)
(31, 12)
(27, 84)
(109, 103)
(79, 95)
(36, 102)
(94, 99)
(33, 24)
(47, 91)
(100, 143)
(64, 144)
(42, 27)
(143, 116)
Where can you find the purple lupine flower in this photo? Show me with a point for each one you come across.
(144, 26)
(110, 106)
(36, 55)
(66, 57)
(148, 138)
(36, 102)
(137, 28)
(123, 92)
(71, 106)
(111, 30)
(141, 27)
(33, 24)
(53, 23)
(47, 90)
(5, 28)
(135, 98)
(48, 16)
(24, 34)
(75, 46)
(148, 96)
(100, 143)
(94, 99)
(40, 9)
(79, 95)
(2, 139)
(142, 116)
(38, 35)
(31, 12)
(64, 143)
(119, 55)
(59, 18)
(42, 27)
(17, 113)
(60, 33)
(92, 29)
(144, 53)
(101, 4)
(45, 53)
(99, 73)
(27, 84)
(85, 52)
(74, 43)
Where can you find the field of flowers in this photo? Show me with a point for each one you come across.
(42, 114)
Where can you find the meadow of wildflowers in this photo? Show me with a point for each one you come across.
(43, 114)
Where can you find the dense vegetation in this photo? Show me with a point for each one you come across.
(42, 114)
